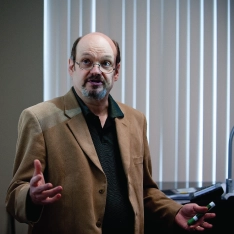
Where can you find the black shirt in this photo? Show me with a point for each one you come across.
(118, 212)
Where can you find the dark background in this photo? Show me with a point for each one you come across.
(21, 80)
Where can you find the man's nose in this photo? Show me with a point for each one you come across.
(96, 69)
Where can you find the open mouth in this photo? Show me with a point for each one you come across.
(94, 81)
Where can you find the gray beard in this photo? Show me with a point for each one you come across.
(94, 94)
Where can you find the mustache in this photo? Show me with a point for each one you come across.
(97, 77)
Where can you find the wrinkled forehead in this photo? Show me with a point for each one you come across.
(96, 44)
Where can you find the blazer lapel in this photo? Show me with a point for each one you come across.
(79, 128)
(123, 135)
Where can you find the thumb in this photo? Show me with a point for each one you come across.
(37, 167)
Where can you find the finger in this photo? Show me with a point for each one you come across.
(199, 228)
(206, 225)
(48, 196)
(200, 209)
(195, 228)
(50, 193)
(37, 167)
(40, 188)
(36, 191)
(50, 200)
(209, 215)
(34, 180)
(203, 223)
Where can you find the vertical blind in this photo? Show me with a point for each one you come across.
(177, 61)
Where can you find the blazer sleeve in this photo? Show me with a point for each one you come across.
(30, 146)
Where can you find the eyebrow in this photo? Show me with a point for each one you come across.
(89, 54)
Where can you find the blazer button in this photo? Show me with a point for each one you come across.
(101, 191)
(99, 224)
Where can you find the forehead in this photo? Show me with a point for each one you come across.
(96, 46)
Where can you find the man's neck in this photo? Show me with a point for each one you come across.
(100, 109)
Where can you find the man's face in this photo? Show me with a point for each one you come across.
(93, 49)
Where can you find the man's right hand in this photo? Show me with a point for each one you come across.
(42, 193)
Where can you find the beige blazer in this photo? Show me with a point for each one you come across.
(55, 132)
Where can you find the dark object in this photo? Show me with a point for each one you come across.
(212, 192)
(229, 182)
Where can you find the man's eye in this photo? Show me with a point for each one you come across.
(106, 64)
(86, 62)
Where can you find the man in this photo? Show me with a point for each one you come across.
(82, 160)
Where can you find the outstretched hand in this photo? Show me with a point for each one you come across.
(42, 193)
(188, 211)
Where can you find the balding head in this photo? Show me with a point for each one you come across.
(92, 38)
(97, 36)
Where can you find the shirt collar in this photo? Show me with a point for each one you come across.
(114, 110)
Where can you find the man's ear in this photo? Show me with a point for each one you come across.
(116, 75)
(70, 66)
